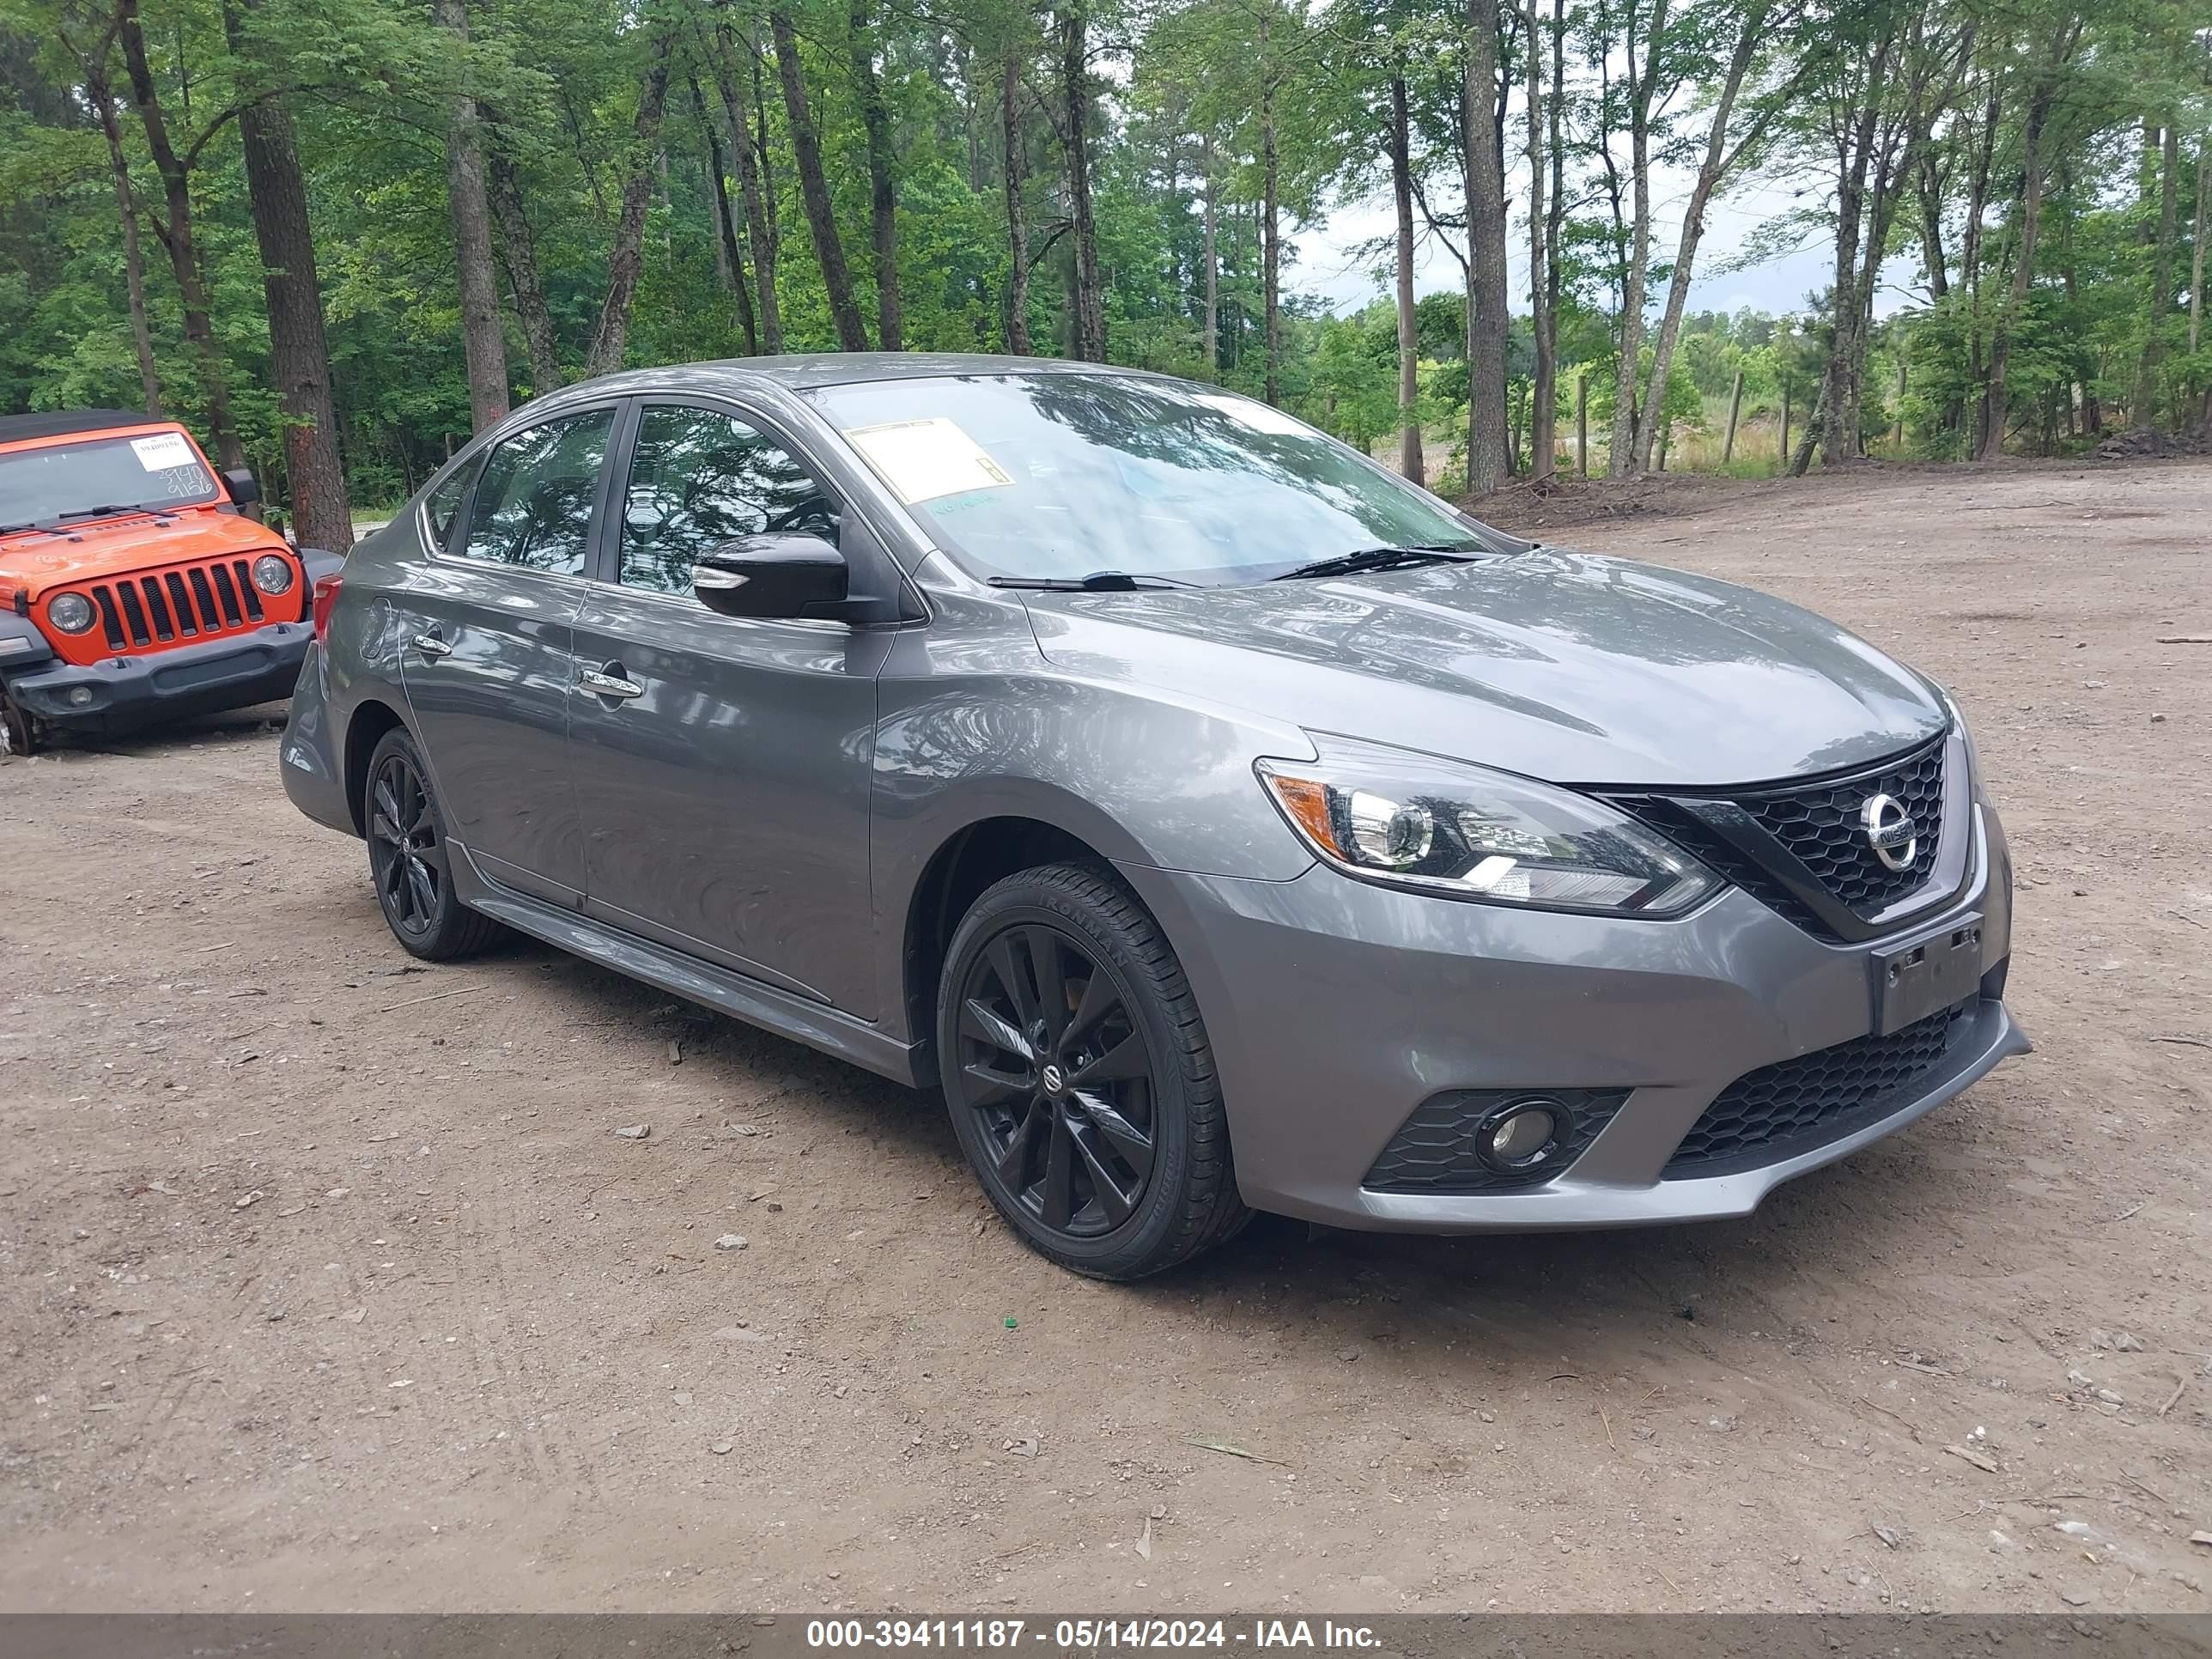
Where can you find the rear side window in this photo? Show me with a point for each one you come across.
(533, 504)
(445, 500)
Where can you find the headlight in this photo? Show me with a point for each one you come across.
(70, 612)
(273, 573)
(1466, 832)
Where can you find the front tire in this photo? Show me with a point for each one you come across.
(1079, 1079)
(408, 858)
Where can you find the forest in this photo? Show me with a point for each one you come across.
(336, 236)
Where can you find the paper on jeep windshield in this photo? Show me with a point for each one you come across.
(163, 451)
(921, 460)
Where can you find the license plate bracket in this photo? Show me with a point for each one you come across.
(1916, 978)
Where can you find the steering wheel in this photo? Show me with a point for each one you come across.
(815, 504)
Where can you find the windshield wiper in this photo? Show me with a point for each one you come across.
(1381, 558)
(110, 506)
(1098, 581)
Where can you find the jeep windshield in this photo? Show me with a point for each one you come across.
(52, 484)
(1056, 476)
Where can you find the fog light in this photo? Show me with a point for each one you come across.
(1521, 1134)
(81, 695)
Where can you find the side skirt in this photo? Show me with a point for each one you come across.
(788, 1016)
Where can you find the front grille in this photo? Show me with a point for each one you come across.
(1795, 1105)
(1823, 828)
(1434, 1151)
(191, 602)
(1740, 836)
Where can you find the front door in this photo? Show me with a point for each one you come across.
(722, 764)
(486, 653)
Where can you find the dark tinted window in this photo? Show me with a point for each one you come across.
(533, 507)
(699, 479)
(445, 500)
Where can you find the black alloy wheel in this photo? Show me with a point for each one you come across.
(404, 848)
(1078, 1078)
(408, 858)
(1061, 1081)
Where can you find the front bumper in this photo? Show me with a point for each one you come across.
(118, 693)
(1335, 1008)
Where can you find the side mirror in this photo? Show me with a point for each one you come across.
(245, 488)
(778, 574)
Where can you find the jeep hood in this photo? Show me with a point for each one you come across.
(1558, 666)
(39, 560)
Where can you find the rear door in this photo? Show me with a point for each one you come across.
(724, 783)
(486, 656)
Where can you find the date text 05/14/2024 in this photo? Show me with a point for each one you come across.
(1087, 1635)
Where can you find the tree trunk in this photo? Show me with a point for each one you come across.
(540, 340)
(1828, 424)
(611, 337)
(102, 98)
(2197, 230)
(1089, 341)
(1213, 270)
(1015, 170)
(1271, 249)
(729, 258)
(2162, 276)
(760, 214)
(821, 218)
(2031, 212)
(1544, 390)
(1410, 460)
(1718, 159)
(482, 342)
(299, 354)
(1621, 459)
(176, 237)
(1487, 454)
(883, 194)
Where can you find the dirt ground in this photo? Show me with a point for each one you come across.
(326, 1283)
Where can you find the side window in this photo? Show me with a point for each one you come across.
(698, 479)
(533, 503)
(444, 501)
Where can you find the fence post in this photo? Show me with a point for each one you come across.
(1785, 424)
(1735, 408)
(1581, 424)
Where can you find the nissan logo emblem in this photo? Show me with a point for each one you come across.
(1890, 831)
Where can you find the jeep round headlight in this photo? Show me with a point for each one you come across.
(273, 573)
(1466, 832)
(70, 612)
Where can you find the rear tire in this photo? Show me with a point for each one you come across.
(1079, 1079)
(408, 859)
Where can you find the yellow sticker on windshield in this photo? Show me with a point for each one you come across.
(921, 460)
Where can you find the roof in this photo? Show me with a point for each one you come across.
(55, 423)
(825, 368)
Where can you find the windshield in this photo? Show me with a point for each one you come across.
(54, 482)
(1058, 476)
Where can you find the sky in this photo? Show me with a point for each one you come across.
(1329, 267)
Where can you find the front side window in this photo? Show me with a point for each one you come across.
(533, 503)
(98, 477)
(1059, 475)
(699, 478)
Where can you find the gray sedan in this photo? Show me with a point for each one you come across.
(1222, 822)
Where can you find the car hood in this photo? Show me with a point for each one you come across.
(40, 560)
(1555, 665)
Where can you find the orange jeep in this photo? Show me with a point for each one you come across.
(133, 586)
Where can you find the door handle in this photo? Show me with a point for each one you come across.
(431, 646)
(603, 683)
